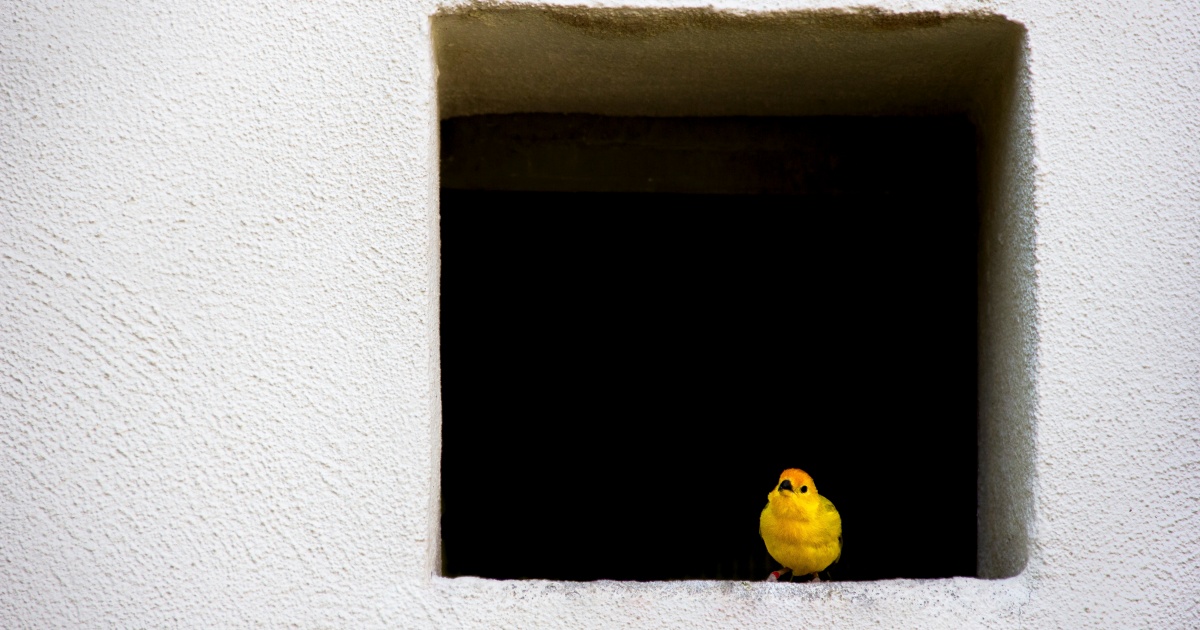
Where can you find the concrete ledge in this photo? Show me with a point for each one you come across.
(956, 602)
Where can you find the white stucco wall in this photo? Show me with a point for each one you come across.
(218, 355)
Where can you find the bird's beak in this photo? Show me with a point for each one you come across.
(786, 485)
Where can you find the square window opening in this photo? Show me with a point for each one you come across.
(685, 249)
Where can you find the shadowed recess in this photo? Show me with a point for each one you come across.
(628, 365)
(684, 249)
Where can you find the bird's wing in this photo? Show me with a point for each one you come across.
(827, 506)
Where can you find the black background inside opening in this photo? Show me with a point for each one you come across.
(626, 373)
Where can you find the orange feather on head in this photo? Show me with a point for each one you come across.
(799, 478)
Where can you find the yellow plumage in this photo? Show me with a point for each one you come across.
(802, 529)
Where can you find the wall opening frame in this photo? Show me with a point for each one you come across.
(853, 69)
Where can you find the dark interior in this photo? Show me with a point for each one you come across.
(627, 367)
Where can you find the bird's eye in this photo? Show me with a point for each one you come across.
(803, 489)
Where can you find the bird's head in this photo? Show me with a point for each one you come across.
(794, 485)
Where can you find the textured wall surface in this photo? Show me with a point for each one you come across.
(219, 392)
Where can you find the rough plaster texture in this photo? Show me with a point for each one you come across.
(219, 399)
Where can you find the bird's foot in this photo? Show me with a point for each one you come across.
(775, 575)
(816, 577)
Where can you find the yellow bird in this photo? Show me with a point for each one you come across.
(802, 529)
